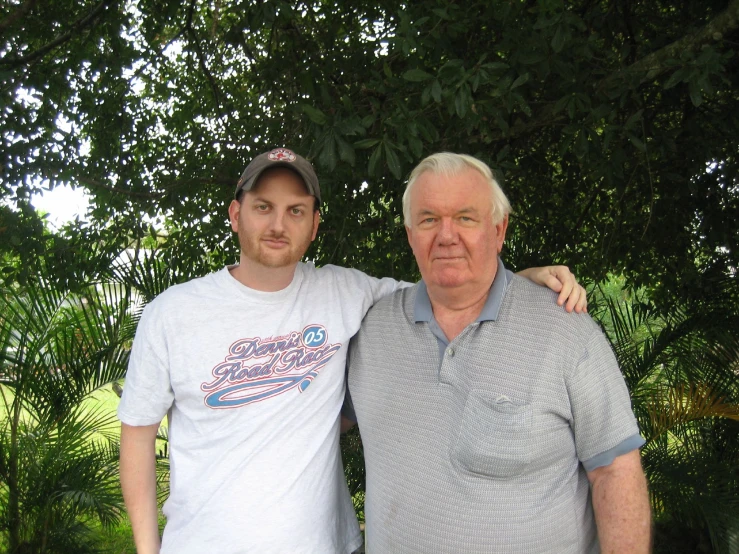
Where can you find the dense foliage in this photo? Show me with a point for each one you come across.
(612, 124)
(681, 370)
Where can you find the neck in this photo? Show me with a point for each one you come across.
(263, 278)
(453, 312)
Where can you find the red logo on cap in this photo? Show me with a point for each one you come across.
(281, 155)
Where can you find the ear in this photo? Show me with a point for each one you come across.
(409, 234)
(500, 232)
(316, 221)
(234, 209)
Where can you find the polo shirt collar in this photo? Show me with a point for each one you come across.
(422, 311)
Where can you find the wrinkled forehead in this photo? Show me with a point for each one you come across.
(446, 182)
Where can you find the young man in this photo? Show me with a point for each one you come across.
(249, 364)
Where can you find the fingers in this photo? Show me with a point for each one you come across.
(560, 279)
(565, 293)
(572, 295)
(582, 304)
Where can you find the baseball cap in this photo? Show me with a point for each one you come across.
(279, 157)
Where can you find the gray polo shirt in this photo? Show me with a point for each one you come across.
(481, 444)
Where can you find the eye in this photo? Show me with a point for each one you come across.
(296, 211)
(261, 207)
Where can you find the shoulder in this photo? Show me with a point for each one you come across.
(178, 295)
(333, 272)
(348, 280)
(536, 306)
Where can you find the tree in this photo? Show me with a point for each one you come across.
(613, 122)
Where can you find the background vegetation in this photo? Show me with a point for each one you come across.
(612, 124)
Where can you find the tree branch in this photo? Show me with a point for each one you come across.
(645, 69)
(654, 65)
(204, 67)
(77, 26)
(167, 188)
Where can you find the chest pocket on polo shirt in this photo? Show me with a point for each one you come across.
(494, 437)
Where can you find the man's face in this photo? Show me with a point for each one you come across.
(451, 233)
(276, 220)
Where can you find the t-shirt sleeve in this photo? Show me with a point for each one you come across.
(603, 422)
(147, 392)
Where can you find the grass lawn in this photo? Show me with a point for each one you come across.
(118, 540)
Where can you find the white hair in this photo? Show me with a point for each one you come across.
(449, 164)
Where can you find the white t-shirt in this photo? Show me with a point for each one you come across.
(254, 383)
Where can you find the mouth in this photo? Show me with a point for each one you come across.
(275, 242)
(448, 258)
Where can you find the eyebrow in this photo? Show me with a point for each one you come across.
(259, 199)
(465, 210)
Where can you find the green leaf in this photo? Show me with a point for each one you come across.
(374, 161)
(581, 145)
(531, 57)
(561, 104)
(441, 13)
(522, 79)
(461, 103)
(436, 91)
(501, 122)
(416, 146)
(346, 152)
(393, 162)
(696, 95)
(314, 114)
(558, 41)
(571, 107)
(452, 70)
(327, 156)
(366, 143)
(632, 121)
(426, 95)
(636, 141)
(674, 79)
(496, 66)
(417, 75)
(369, 120)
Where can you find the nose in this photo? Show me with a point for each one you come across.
(447, 232)
(277, 222)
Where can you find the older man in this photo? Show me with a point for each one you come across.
(491, 420)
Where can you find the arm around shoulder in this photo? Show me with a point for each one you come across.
(560, 279)
(138, 482)
(621, 505)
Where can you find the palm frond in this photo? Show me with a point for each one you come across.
(682, 404)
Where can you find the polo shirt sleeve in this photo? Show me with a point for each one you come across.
(602, 420)
(147, 391)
